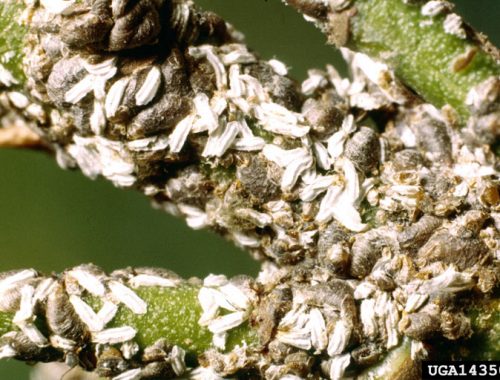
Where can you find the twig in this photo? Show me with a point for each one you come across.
(18, 136)
(147, 314)
(430, 49)
(149, 322)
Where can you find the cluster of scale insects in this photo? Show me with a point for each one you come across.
(75, 332)
(369, 235)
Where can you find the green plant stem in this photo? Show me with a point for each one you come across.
(416, 47)
(115, 324)
(173, 315)
(11, 39)
(422, 56)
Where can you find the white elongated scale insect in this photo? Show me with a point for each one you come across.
(114, 335)
(128, 297)
(86, 314)
(149, 88)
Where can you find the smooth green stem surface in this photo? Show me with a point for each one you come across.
(173, 314)
(420, 52)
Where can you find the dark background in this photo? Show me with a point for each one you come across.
(52, 219)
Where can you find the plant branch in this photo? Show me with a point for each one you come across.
(19, 136)
(372, 214)
(151, 314)
(430, 48)
(149, 322)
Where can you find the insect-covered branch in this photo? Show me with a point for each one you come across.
(136, 323)
(167, 99)
(141, 323)
(189, 116)
(373, 214)
(429, 47)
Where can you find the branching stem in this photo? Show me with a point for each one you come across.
(432, 51)
(369, 236)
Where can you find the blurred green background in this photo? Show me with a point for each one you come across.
(53, 219)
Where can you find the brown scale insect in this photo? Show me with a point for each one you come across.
(173, 100)
(110, 362)
(299, 363)
(317, 10)
(28, 351)
(158, 363)
(407, 159)
(225, 364)
(470, 251)
(282, 89)
(461, 247)
(455, 325)
(190, 187)
(363, 149)
(325, 114)
(367, 249)
(382, 275)
(367, 354)
(64, 74)
(124, 26)
(271, 308)
(488, 191)
(420, 326)
(278, 351)
(336, 294)
(333, 248)
(414, 236)
(62, 319)
(156, 352)
(259, 179)
(431, 135)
